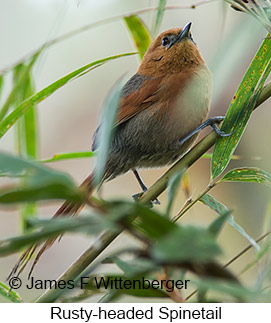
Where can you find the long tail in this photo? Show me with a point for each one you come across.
(66, 209)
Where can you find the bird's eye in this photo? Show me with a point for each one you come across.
(165, 42)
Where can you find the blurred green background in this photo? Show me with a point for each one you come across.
(228, 41)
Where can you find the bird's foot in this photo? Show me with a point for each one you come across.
(138, 195)
(144, 189)
(209, 122)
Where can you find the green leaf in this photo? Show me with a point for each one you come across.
(173, 186)
(22, 108)
(27, 129)
(19, 83)
(9, 294)
(222, 210)
(153, 224)
(159, 16)
(134, 267)
(65, 156)
(234, 157)
(48, 228)
(185, 244)
(144, 218)
(107, 129)
(125, 266)
(28, 211)
(46, 191)
(139, 33)
(216, 226)
(247, 174)
(43, 182)
(30, 128)
(241, 108)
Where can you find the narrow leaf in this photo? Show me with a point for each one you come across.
(48, 228)
(247, 174)
(234, 157)
(106, 129)
(146, 220)
(134, 267)
(139, 33)
(21, 80)
(31, 133)
(216, 226)
(26, 127)
(46, 191)
(65, 156)
(185, 244)
(20, 110)
(221, 209)
(173, 186)
(158, 17)
(29, 210)
(9, 294)
(27, 131)
(43, 182)
(241, 108)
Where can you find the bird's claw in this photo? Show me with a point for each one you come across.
(219, 132)
(138, 195)
(209, 122)
(156, 201)
(217, 119)
(224, 134)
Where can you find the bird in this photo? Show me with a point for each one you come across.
(161, 110)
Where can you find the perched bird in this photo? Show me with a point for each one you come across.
(161, 110)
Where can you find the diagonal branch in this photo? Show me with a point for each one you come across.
(153, 192)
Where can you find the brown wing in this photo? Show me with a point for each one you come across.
(138, 93)
(138, 100)
(141, 92)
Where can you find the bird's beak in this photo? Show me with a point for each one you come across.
(184, 33)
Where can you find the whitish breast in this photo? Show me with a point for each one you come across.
(194, 101)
